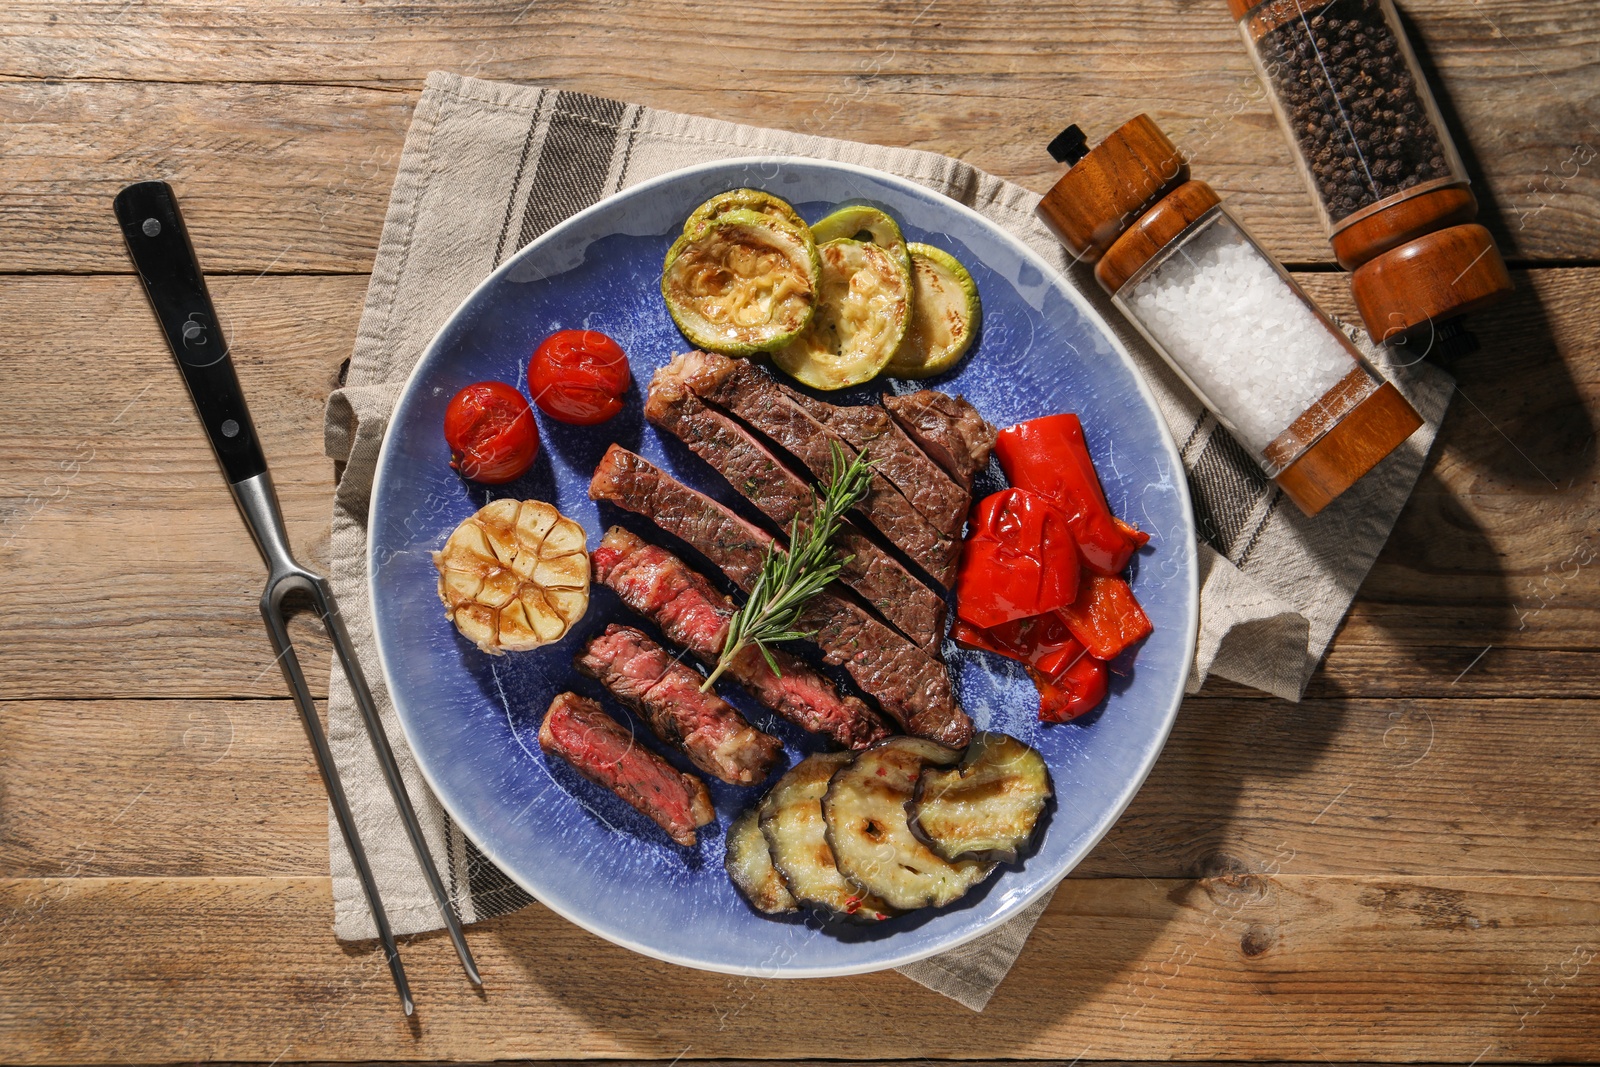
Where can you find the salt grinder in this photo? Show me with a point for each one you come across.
(1283, 379)
(1386, 178)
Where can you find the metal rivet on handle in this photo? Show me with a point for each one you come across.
(230, 428)
(151, 227)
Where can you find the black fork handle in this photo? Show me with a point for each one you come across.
(158, 243)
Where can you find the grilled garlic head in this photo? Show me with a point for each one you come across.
(514, 576)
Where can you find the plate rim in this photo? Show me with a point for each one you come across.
(1029, 256)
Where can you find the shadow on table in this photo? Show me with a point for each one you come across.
(1541, 436)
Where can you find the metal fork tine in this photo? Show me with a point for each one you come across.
(272, 612)
(391, 772)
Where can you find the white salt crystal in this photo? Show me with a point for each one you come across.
(1245, 339)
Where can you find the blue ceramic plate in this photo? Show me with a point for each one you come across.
(472, 719)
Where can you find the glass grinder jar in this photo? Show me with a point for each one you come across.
(1276, 371)
(1370, 142)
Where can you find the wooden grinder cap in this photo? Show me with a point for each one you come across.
(1435, 277)
(1351, 447)
(1109, 186)
(1154, 231)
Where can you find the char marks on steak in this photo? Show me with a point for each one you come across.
(752, 395)
(910, 685)
(868, 427)
(947, 428)
(630, 481)
(692, 614)
(605, 752)
(666, 694)
(783, 496)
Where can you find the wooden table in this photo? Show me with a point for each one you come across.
(1400, 867)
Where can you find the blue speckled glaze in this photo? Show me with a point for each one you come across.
(472, 719)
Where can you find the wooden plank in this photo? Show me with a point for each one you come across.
(1277, 966)
(271, 177)
(302, 171)
(1515, 465)
(1487, 554)
(227, 787)
(111, 495)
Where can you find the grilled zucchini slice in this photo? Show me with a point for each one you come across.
(853, 220)
(864, 306)
(791, 822)
(743, 283)
(743, 200)
(985, 808)
(944, 315)
(865, 811)
(749, 864)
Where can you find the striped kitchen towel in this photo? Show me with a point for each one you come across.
(488, 167)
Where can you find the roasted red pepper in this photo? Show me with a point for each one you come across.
(1069, 680)
(1106, 617)
(1137, 536)
(1019, 560)
(1048, 456)
(1042, 641)
(1077, 689)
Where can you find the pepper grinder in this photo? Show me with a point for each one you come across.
(1387, 180)
(1275, 370)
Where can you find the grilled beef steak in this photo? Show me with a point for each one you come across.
(666, 694)
(752, 395)
(605, 752)
(661, 587)
(947, 428)
(911, 686)
(783, 496)
(920, 480)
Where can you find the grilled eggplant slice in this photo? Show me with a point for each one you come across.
(743, 200)
(791, 822)
(749, 864)
(743, 283)
(985, 808)
(853, 220)
(944, 315)
(863, 308)
(865, 812)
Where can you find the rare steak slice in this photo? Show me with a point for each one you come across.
(692, 614)
(751, 395)
(666, 694)
(783, 496)
(948, 428)
(606, 752)
(920, 480)
(911, 686)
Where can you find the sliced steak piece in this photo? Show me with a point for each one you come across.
(665, 693)
(661, 587)
(752, 395)
(948, 428)
(911, 686)
(605, 752)
(784, 496)
(920, 480)
(630, 481)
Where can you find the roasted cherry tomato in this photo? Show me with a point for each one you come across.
(578, 376)
(491, 433)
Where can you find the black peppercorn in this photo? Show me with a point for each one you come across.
(1352, 105)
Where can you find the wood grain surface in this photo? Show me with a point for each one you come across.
(1246, 966)
(1402, 867)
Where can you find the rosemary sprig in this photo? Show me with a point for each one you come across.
(788, 580)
